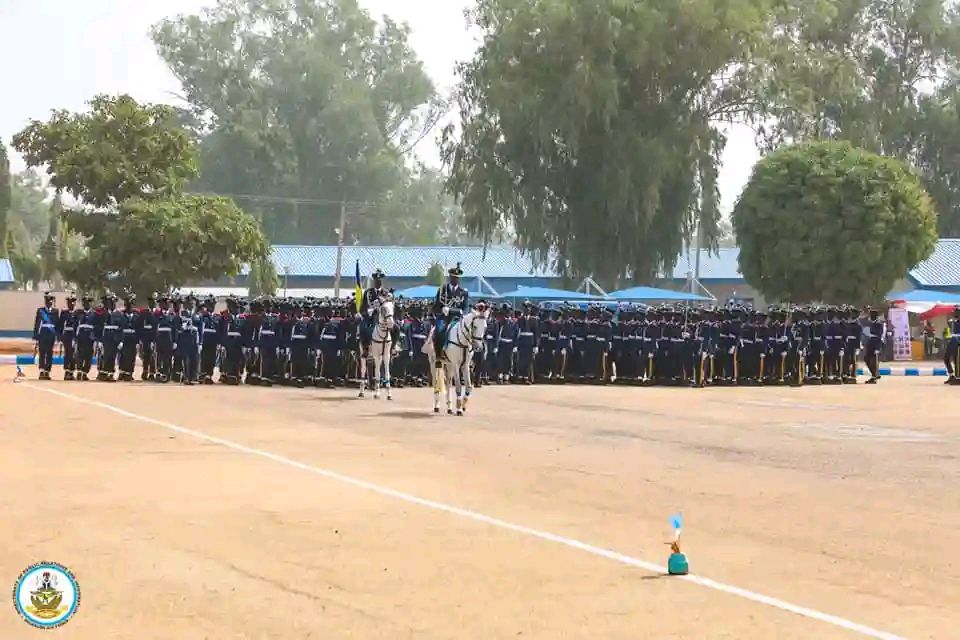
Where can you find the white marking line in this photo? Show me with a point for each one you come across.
(479, 517)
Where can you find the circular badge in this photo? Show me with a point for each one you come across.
(46, 595)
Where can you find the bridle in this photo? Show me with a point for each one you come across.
(383, 324)
(473, 340)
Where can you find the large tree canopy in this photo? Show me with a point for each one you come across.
(829, 222)
(877, 73)
(118, 150)
(155, 244)
(6, 196)
(128, 164)
(588, 127)
(304, 104)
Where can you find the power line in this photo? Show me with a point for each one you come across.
(290, 199)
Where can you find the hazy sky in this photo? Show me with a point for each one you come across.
(59, 53)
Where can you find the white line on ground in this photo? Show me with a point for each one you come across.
(479, 517)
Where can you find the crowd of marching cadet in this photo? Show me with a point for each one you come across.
(314, 342)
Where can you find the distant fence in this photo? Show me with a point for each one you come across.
(17, 309)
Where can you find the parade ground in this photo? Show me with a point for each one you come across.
(236, 512)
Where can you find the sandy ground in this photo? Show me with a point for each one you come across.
(842, 500)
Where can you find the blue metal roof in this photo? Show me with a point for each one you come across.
(925, 295)
(546, 293)
(653, 293)
(720, 266)
(404, 262)
(942, 269)
(423, 292)
(6, 271)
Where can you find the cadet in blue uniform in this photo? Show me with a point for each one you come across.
(231, 366)
(188, 342)
(951, 352)
(86, 337)
(167, 329)
(110, 338)
(509, 334)
(449, 304)
(209, 339)
(67, 330)
(528, 339)
(301, 336)
(874, 334)
(146, 328)
(128, 338)
(45, 334)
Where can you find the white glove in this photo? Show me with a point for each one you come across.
(410, 354)
(515, 349)
(536, 350)
(496, 351)
(731, 350)
(563, 351)
(650, 356)
(370, 311)
(841, 353)
(446, 310)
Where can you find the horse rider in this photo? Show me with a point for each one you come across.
(369, 305)
(448, 305)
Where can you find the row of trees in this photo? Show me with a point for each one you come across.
(301, 107)
(589, 132)
(594, 130)
(128, 165)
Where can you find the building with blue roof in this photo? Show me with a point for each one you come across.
(7, 281)
(314, 267)
(506, 269)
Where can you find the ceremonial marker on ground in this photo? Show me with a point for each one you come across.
(677, 564)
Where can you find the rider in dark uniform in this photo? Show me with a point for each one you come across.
(448, 305)
(369, 304)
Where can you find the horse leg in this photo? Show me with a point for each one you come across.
(467, 388)
(363, 373)
(386, 373)
(448, 374)
(376, 377)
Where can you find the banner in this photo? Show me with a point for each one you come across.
(899, 320)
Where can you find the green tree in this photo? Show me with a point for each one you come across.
(50, 249)
(588, 128)
(830, 222)
(304, 104)
(263, 279)
(876, 73)
(156, 244)
(435, 275)
(128, 163)
(6, 196)
(118, 150)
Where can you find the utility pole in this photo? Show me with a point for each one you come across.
(696, 270)
(340, 234)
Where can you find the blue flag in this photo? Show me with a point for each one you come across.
(676, 520)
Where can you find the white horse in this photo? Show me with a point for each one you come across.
(380, 350)
(463, 338)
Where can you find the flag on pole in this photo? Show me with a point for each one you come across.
(676, 521)
(358, 289)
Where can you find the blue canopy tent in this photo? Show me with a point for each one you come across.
(422, 292)
(653, 293)
(926, 302)
(546, 293)
(925, 295)
(429, 291)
